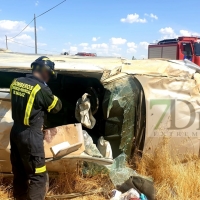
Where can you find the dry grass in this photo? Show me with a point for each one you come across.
(174, 179)
(4, 189)
(91, 197)
(71, 181)
(3, 193)
(74, 181)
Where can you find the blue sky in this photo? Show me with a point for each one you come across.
(108, 28)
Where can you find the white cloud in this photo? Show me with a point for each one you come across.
(25, 39)
(94, 39)
(154, 16)
(64, 50)
(73, 49)
(100, 49)
(21, 44)
(151, 16)
(40, 28)
(86, 48)
(99, 46)
(68, 43)
(131, 47)
(117, 41)
(36, 3)
(133, 18)
(131, 50)
(144, 45)
(188, 33)
(115, 48)
(116, 54)
(168, 32)
(13, 27)
(41, 44)
(83, 44)
(185, 33)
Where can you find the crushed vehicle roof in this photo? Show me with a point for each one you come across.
(18, 62)
(69, 63)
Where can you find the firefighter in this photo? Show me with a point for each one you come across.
(31, 98)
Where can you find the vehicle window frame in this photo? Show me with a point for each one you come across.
(195, 52)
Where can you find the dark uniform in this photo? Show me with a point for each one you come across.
(31, 98)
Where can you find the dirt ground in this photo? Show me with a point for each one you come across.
(174, 178)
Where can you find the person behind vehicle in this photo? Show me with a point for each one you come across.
(31, 98)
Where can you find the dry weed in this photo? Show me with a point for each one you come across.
(74, 181)
(174, 178)
(5, 190)
(91, 197)
(3, 194)
(71, 181)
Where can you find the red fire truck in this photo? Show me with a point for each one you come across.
(177, 49)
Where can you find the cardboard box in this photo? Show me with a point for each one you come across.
(71, 133)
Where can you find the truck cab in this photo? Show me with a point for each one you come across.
(178, 49)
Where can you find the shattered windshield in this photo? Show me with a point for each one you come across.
(197, 48)
(119, 107)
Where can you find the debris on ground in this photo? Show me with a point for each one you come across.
(119, 172)
(90, 148)
(129, 195)
(174, 178)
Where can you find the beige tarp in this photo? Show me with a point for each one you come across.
(173, 108)
(158, 68)
(5, 123)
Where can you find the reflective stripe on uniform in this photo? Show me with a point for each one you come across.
(29, 105)
(11, 86)
(55, 100)
(40, 169)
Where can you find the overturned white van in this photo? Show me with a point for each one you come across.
(135, 103)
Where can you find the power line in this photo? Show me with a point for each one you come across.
(35, 18)
(22, 29)
(31, 46)
(50, 9)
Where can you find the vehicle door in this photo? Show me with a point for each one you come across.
(186, 51)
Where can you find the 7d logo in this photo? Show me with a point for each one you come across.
(171, 107)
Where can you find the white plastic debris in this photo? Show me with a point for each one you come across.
(55, 149)
(64, 149)
(104, 148)
(83, 112)
(90, 148)
(115, 195)
(130, 194)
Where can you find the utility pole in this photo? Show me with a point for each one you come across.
(6, 42)
(35, 35)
